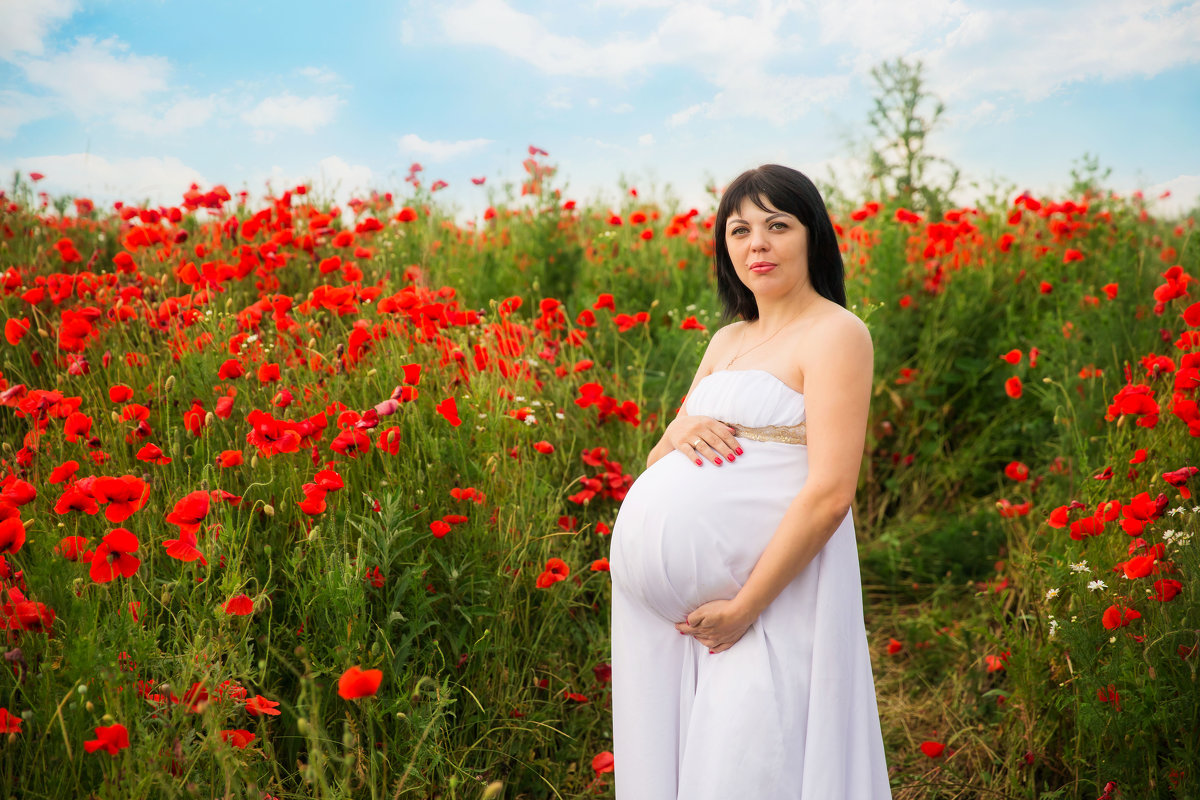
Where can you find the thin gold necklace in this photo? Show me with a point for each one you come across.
(742, 340)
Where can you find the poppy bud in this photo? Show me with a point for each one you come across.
(209, 419)
(170, 383)
(269, 510)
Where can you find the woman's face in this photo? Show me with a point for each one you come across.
(769, 250)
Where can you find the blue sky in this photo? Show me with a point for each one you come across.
(137, 99)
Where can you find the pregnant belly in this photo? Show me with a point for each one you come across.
(686, 535)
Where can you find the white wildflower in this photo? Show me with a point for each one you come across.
(1051, 593)
(1173, 511)
(519, 398)
(531, 420)
(1080, 567)
(536, 403)
(1053, 627)
(559, 415)
(1094, 585)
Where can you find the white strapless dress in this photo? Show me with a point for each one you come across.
(787, 713)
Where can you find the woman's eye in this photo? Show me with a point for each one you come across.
(738, 231)
(780, 224)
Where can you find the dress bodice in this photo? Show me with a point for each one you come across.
(750, 397)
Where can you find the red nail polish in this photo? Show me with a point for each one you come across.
(718, 461)
(710, 652)
(699, 463)
(731, 457)
(739, 451)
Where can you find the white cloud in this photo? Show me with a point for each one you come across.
(690, 33)
(414, 145)
(16, 109)
(26, 23)
(559, 97)
(334, 180)
(1184, 197)
(319, 74)
(94, 76)
(646, 139)
(157, 180)
(185, 113)
(778, 99)
(289, 111)
(1037, 52)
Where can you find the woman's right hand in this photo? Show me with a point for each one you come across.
(699, 437)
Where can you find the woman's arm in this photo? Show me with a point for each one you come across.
(837, 393)
(685, 429)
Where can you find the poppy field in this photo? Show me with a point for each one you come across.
(307, 501)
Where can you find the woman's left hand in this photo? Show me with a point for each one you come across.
(718, 624)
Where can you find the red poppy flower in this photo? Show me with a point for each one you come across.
(115, 556)
(230, 458)
(356, 682)
(1166, 589)
(239, 605)
(153, 454)
(12, 535)
(76, 498)
(190, 511)
(259, 705)
(9, 723)
(1016, 471)
(448, 408)
(184, 548)
(556, 570)
(111, 738)
(239, 738)
(1118, 617)
(1012, 387)
(64, 471)
(543, 447)
(1012, 356)
(439, 528)
(121, 496)
(73, 548)
(232, 368)
(603, 762)
(894, 646)
(932, 749)
(77, 426)
(600, 565)
(314, 500)
(1179, 478)
(15, 330)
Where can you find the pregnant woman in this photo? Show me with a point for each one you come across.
(740, 660)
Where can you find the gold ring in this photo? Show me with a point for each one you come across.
(698, 441)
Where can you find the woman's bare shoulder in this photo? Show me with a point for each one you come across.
(842, 327)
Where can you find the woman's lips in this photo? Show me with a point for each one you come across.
(761, 267)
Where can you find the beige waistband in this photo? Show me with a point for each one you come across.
(785, 434)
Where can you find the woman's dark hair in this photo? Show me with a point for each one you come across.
(787, 190)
